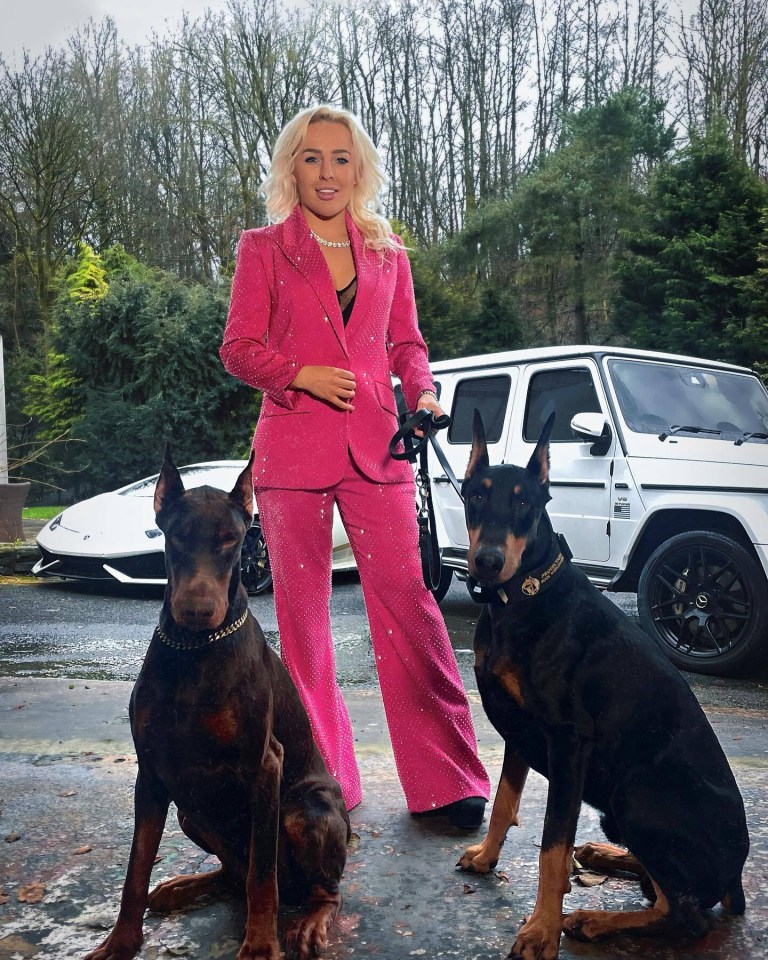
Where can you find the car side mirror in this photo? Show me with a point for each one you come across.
(593, 428)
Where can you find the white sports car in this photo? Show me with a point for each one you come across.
(113, 536)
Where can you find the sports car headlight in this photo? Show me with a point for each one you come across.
(154, 532)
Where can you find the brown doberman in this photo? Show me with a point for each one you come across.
(219, 730)
(580, 694)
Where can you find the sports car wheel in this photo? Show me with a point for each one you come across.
(254, 562)
(706, 600)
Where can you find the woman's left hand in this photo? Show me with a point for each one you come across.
(428, 402)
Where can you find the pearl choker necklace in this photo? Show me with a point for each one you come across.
(339, 244)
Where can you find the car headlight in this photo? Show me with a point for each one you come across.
(154, 532)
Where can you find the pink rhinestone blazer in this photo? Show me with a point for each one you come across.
(284, 314)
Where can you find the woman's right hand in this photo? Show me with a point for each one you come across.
(335, 386)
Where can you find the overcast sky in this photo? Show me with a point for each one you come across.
(36, 24)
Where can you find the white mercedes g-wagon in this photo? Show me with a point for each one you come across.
(659, 481)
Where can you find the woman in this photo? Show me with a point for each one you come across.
(322, 312)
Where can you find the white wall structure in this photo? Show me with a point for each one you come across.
(3, 425)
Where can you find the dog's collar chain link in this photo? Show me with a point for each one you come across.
(218, 635)
(528, 585)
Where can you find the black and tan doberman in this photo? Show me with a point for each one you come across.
(581, 695)
(219, 730)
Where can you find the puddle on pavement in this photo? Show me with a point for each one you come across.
(87, 657)
(79, 656)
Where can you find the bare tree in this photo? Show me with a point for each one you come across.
(642, 45)
(559, 39)
(44, 150)
(724, 47)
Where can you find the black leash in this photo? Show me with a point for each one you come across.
(416, 447)
(525, 585)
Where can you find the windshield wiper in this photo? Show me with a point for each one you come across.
(750, 436)
(678, 428)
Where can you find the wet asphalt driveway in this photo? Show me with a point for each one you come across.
(51, 628)
(68, 655)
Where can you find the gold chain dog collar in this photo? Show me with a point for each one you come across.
(218, 635)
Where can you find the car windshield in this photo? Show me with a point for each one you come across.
(196, 475)
(715, 404)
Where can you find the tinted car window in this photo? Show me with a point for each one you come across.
(490, 396)
(654, 397)
(567, 391)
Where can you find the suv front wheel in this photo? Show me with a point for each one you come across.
(706, 600)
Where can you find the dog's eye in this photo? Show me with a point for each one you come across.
(477, 497)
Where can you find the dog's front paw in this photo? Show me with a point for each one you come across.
(476, 859)
(121, 944)
(306, 940)
(536, 940)
(260, 951)
(308, 936)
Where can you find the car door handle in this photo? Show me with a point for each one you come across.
(441, 479)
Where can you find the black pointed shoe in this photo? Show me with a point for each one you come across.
(466, 814)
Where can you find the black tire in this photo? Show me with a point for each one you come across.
(444, 584)
(254, 562)
(705, 599)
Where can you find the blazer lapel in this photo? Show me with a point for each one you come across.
(297, 244)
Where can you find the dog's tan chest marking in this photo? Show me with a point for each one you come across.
(509, 678)
(222, 726)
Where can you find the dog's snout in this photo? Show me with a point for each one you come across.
(489, 562)
(198, 611)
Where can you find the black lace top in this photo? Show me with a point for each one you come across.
(347, 299)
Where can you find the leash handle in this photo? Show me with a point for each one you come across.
(416, 447)
(424, 420)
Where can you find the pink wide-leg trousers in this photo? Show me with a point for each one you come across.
(428, 715)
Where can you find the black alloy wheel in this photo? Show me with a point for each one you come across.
(254, 562)
(705, 598)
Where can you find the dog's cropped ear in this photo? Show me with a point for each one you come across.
(242, 492)
(538, 465)
(169, 485)
(478, 457)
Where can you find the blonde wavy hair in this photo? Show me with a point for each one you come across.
(280, 190)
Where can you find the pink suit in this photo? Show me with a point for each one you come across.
(284, 314)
